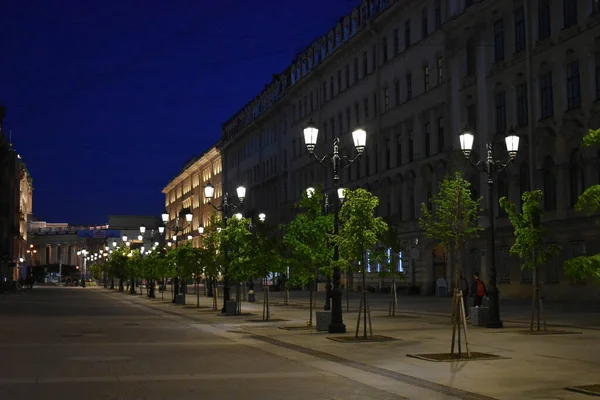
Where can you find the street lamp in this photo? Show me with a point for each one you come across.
(262, 217)
(335, 161)
(225, 208)
(176, 229)
(489, 166)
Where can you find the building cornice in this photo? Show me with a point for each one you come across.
(196, 165)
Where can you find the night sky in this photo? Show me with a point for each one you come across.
(108, 100)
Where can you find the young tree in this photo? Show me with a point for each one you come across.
(118, 265)
(452, 219)
(236, 241)
(587, 267)
(360, 231)
(265, 258)
(387, 256)
(211, 254)
(529, 241)
(306, 240)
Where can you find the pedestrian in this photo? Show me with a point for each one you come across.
(478, 290)
(464, 287)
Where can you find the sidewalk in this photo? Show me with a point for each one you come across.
(532, 367)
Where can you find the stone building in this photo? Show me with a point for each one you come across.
(186, 190)
(413, 75)
(15, 206)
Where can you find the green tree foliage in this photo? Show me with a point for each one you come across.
(305, 238)
(266, 250)
(584, 267)
(454, 216)
(389, 241)
(529, 234)
(360, 230)
(210, 248)
(188, 259)
(236, 239)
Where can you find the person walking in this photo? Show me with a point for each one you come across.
(478, 290)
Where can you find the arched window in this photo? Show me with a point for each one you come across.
(323, 51)
(330, 43)
(346, 31)
(549, 185)
(576, 178)
(354, 26)
(303, 66)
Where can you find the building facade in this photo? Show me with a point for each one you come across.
(413, 74)
(16, 189)
(186, 191)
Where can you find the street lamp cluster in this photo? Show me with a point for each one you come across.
(489, 166)
(336, 162)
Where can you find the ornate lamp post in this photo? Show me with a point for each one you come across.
(489, 166)
(225, 208)
(336, 162)
(178, 227)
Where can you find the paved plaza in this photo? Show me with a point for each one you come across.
(93, 343)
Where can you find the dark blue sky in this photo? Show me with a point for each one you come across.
(107, 100)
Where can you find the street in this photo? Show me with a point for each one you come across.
(93, 343)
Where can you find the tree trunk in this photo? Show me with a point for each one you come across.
(197, 293)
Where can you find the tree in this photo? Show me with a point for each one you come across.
(211, 254)
(305, 238)
(587, 267)
(529, 241)
(265, 258)
(452, 219)
(189, 260)
(154, 268)
(235, 241)
(360, 231)
(387, 256)
(134, 268)
(118, 265)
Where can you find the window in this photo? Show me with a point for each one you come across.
(523, 181)
(355, 69)
(501, 112)
(366, 106)
(324, 91)
(312, 104)
(472, 116)
(519, 29)
(576, 178)
(407, 34)
(502, 192)
(470, 57)
(544, 30)
(549, 183)
(595, 6)
(340, 123)
(440, 134)
(424, 27)
(547, 97)
(426, 78)
(427, 139)
(408, 87)
(357, 114)
(388, 155)
(331, 92)
(384, 49)
(398, 150)
(573, 87)
(396, 42)
(522, 110)
(325, 133)
(332, 122)
(347, 75)
(365, 66)
(339, 80)
(348, 118)
(438, 14)
(411, 147)
(374, 56)
(570, 12)
(440, 70)
(374, 104)
(499, 41)
(386, 100)
(504, 267)
(397, 88)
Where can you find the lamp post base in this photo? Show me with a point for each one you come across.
(337, 322)
(226, 298)
(494, 321)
